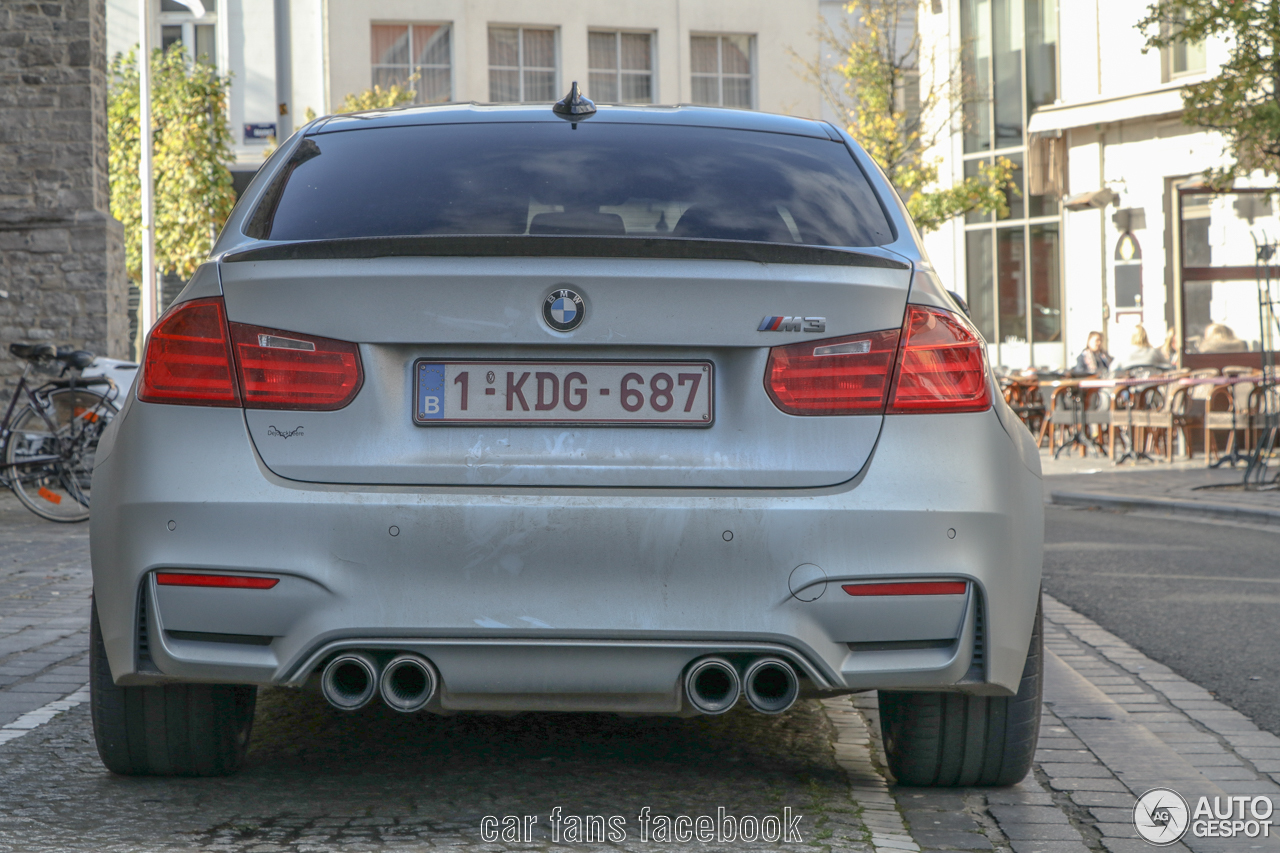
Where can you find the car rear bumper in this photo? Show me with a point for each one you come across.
(567, 599)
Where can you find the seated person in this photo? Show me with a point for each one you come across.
(1220, 338)
(1142, 353)
(1093, 359)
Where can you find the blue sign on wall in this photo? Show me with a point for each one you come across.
(258, 131)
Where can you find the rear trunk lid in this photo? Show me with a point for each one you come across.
(401, 310)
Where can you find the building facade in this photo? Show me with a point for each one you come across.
(1113, 227)
(62, 276)
(288, 56)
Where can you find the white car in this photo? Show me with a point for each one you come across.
(631, 409)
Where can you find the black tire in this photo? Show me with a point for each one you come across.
(951, 739)
(172, 730)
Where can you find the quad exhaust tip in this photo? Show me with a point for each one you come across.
(350, 681)
(712, 685)
(771, 685)
(408, 683)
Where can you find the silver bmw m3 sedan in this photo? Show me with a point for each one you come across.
(655, 410)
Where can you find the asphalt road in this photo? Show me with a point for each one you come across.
(1202, 598)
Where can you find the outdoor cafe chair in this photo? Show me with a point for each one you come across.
(1188, 418)
(1161, 408)
(1264, 412)
(1131, 407)
(1229, 409)
(1023, 396)
(1077, 410)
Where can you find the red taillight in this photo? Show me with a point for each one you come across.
(188, 357)
(224, 581)
(942, 365)
(286, 370)
(908, 588)
(190, 360)
(837, 376)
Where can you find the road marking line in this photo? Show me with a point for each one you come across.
(33, 720)
(1173, 577)
(1119, 546)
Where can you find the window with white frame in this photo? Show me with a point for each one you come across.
(1013, 265)
(620, 66)
(1181, 57)
(723, 70)
(415, 56)
(197, 34)
(522, 64)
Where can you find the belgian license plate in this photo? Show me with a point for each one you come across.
(666, 393)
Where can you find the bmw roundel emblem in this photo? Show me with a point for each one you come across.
(563, 310)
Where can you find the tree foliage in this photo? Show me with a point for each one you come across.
(191, 155)
(370, 99)
(379, 98)
(1243, 101)
(873, 88)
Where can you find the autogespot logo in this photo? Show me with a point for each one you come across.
(1161, 816)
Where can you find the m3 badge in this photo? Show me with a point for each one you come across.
(793, 324)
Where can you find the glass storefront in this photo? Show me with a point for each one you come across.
(1220, 298)
(1013, 263)
(1011, 285)
(975, 35)
(1046, 283)
(979, 266)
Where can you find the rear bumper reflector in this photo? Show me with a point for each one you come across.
(908, 588)
(225, 581)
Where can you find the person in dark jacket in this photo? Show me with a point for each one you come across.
(1093, 359)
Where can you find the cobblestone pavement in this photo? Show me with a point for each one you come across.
(1115, 724)
(44, 606)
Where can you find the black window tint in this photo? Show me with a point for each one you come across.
(598, 180)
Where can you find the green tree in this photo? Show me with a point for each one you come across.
(1243, 101)
(191, 155)
(876, 88)
(379, 98)
(370, 99)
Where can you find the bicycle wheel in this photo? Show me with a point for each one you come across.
(49, 454)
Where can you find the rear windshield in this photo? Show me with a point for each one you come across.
(615, 180)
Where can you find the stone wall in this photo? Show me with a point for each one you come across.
(62, 276)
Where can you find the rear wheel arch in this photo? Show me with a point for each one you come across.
(955, 739)
(166, 730)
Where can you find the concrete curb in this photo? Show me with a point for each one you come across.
(1221, 512)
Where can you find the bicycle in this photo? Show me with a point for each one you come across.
(49, 444)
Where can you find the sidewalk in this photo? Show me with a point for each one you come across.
(44, 610)
(1184, 488)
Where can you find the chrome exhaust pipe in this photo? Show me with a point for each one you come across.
(408, 682)
(350, 681)
(712, 685)
(771, 685)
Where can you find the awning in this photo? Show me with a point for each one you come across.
(1153, 104)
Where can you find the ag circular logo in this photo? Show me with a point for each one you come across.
(1161, 816)
(563, 310)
